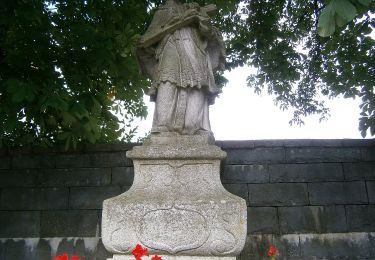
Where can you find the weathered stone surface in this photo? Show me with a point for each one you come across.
(358, 142)
(65, 246)
(314, 143)
(109, 147)
(172, 146)
(335, 246)
(312, 219)
(358, 245)
(371, 237)
(238, 189)
(17, 250)
(18, 178)
(5, 162)
(182, 72)
(189, 216)
(235, 144)
(33, 161)
(288, 245)
(310, 172)
(70, 223)
(177, 203)
(257, 246)
(43, 250)
(325, 193)
(368, 153)
(84, 248)
(2, 250)
(123, 176)
(359, 171)
(34, 198)
(105, 159)
(257, 155)
(89, 248)
(101, 251)
(19, 224)
(298, 143)
(91, 197)
(169, 257)
(75, 177)
(323, 154)
(371, 191)
(257, 173)
(360, 217)
(278, 194)
(262, 220)
(125, 188)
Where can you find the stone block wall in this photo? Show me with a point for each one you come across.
(313, 199)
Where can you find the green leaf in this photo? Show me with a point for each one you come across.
(67, 143)
(19, 96)
(326, 22)
(51, 121)
(29, 93)
(13, 85)
(68, 119)
(96, 107)
(74, 52)
(64, 135)
(340, 21)
(90, 137)
(365, 2)
(345, 9)
(57, 103)
(80, 111)
(20, 91)
(17, 89)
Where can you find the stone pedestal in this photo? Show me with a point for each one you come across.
(177, 206)
(168, 257)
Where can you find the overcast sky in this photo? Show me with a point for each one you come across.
(240, 114)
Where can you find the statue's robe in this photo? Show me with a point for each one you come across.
(181, 67)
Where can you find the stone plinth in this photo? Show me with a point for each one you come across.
(168, 257)
(177, 205)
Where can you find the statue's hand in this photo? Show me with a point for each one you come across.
(191, 12)
(204, 26)
(196, 17)
(175, 19)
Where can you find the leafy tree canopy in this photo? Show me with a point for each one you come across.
(67, 67)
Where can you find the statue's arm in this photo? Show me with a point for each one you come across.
(169, 28)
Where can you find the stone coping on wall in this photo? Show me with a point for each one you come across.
(225, 144)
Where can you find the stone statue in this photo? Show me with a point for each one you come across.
(180, 52)
(177, 206)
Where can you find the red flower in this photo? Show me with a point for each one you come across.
(272, 251)
(61, 257)
(66, 257)
(156, 258)
(139, 251)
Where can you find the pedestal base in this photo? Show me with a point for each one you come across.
(177, 204)
(168, 257)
